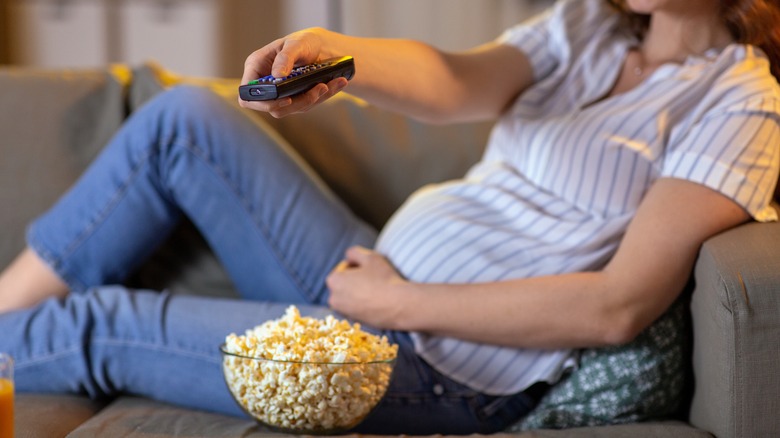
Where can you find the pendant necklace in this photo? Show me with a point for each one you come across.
(639, 68)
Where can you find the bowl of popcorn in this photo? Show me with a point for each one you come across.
(306, 375)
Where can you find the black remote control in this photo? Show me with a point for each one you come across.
(301, 79)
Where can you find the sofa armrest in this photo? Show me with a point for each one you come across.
(735, 309)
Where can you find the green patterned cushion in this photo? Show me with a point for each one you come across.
(639, 381)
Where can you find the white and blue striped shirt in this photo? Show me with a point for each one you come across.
(564, 172)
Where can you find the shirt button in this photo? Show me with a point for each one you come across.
(438, 389)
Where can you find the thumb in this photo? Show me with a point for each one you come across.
(283, 63)
(299, 48)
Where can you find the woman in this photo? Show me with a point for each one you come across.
(624, 141)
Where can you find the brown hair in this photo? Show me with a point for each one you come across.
(752, 22)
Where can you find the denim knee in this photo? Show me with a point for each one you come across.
(137, 162)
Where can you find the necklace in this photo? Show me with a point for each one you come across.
(639, 67)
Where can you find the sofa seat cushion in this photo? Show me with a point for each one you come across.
(51, 415)
(137, 417)
(131, 416)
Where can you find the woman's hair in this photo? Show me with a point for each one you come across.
(755, 22)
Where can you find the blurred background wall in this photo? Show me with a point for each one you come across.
(213, 37)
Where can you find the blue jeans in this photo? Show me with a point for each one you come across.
(275, 227)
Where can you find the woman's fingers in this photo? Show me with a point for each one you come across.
(297, 104)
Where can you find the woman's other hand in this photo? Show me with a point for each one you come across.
(366, 287)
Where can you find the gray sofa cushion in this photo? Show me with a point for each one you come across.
(134, 417)
(52, 123)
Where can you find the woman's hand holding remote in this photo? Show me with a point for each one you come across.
(278, 59)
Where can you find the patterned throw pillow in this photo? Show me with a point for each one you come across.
(639, 381)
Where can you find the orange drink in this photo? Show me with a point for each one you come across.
(6, 396)
(6, 408)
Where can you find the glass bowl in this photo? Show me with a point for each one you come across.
(306, 397)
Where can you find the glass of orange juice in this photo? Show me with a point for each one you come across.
(6, 396)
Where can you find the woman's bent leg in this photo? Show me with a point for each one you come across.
(274, 226)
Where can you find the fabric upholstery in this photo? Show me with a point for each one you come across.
(670, 429)
(51, 415)
(52, 123)
(736, 320)
(134, 417)
(643, 380)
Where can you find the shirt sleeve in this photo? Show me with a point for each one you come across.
(734, 151)
(550, 38)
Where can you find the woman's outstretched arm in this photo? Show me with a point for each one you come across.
(401, 75)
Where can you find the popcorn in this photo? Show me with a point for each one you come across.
(318, 374)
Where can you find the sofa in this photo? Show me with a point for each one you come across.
(54, 122)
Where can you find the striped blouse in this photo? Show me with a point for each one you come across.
(565, 171)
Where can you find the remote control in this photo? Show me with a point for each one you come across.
(301, 79)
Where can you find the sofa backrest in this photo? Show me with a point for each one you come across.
(52, 124)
